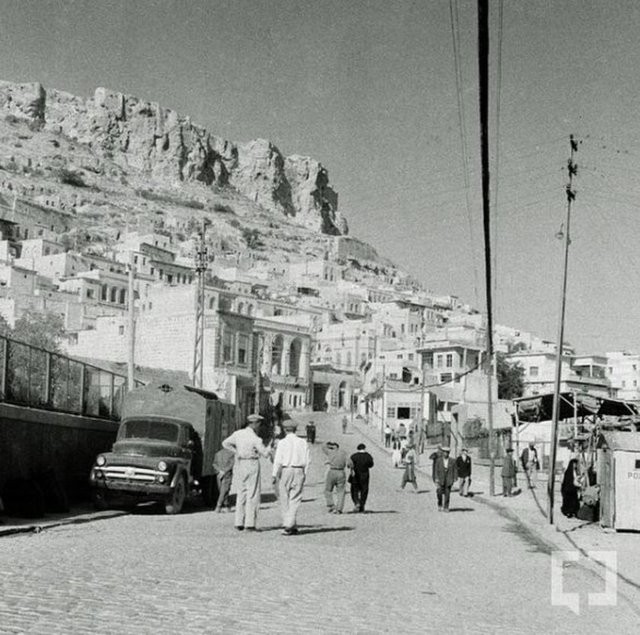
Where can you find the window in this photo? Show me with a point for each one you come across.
(635, 383)
(90, 293)
(399, 356)
(410, 357)
(428, 359)
(449, 360)
(445, 377)
(533, 371)
(227, 347)
(438, 361)
(121, 330)
(243, 346)
(624, 383)
(391, 412)
(152, 270)
(404, 413)
(169, 278)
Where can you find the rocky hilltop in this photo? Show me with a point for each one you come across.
(143, 141)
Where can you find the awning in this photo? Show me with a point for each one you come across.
(540, 407)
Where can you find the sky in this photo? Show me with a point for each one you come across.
(369, 89)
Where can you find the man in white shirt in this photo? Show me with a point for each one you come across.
(290, 466)
(248, 448)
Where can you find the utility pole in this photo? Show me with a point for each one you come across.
(483, 74)
(131, 384)
(259, 342)
(201, 263)
(572, 170)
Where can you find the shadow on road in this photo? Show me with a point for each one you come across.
(461, 509)
(322, 530)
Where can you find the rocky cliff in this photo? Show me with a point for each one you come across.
(163, 146)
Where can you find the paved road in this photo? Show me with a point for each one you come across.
(403, 567)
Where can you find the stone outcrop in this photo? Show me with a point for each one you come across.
(162, 145)
(23, 100)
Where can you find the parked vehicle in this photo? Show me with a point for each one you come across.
(164, 449)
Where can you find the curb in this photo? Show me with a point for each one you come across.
(75, 520)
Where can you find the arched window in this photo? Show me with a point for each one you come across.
(277, 350)
(123, 296)
(212, 302)
(240, 308)
(342, 394)
(113, 294)
(250, 309)
(348, 358)
(295, 352)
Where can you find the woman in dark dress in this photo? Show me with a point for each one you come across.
(570, 490)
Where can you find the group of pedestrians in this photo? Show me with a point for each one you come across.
(240, 456)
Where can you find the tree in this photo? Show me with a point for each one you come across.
(510, 378)
(44, 330)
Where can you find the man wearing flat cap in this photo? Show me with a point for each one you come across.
(248, 448)
(445, 477)
(290, 465)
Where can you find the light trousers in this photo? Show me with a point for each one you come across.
(335, 479)
(246, 476)
(290, 486)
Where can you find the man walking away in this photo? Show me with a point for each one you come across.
(344, 424)
(433, 457)
(509, 471)
(290, 466)
(311, 432)
(248, 448)
(409, 474)
(530, 464)
(335, 479)
(360, 463)
(463, 469)
(445, 477)
(223, 467)
(387, 436)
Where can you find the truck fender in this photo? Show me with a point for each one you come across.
(180, 473)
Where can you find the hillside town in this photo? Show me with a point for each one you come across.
(334, 333)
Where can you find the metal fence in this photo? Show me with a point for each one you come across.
(34, 377)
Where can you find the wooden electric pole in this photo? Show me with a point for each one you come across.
(572, 169)
(483, 75)
(131, 324)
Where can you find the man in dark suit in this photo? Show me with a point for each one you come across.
(360, 463)
(445, 477)
(463, 469)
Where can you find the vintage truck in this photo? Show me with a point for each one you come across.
(164, 448)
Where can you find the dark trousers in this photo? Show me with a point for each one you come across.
(444, 494)
(360, 490)
(387, 440)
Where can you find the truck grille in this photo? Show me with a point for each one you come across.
(121, 472)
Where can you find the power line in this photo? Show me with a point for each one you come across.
(455, 38)
(496, 181)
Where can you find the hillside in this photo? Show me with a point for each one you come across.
(116, 162)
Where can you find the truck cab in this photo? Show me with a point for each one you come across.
(164, 448)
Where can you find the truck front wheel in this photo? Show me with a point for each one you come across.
(175, 503)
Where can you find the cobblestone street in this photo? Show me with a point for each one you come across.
(402, 567)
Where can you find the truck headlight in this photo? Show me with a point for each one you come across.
(162, 466)
(101, 460)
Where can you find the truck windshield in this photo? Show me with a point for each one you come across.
(143, 429)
